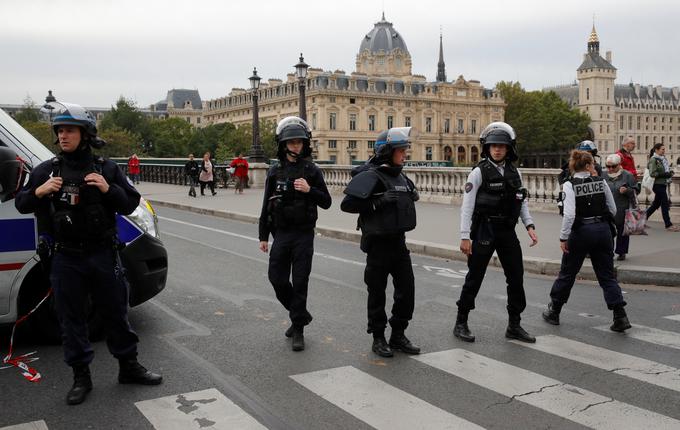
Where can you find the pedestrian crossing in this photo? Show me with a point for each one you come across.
(359, 392)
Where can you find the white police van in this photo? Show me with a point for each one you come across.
(23, 282)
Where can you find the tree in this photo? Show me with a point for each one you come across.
(169, 138)
(29, 112)
(119, 143)
(43, 132)
(126, 116)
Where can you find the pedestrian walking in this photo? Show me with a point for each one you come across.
(207, 174)
(384, 197)
(75, 197)
(660, 170)
(587, 229)
(191, 170)
(494, 199)
(623, 187)
(240, 166)
(293, 190)
(626, 154)
(133, 168)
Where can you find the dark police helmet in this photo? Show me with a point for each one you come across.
(61, 113)
(380, 141)
(499, 133)
(290, 128)
(397, 137)
(588, 145)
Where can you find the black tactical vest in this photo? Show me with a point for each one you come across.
(392, 218)
(287, 207)
(499, 195)
(590, 197)
(79, 213)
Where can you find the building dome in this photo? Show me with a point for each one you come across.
(383, 37)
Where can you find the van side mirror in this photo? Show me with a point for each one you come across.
(11, 173)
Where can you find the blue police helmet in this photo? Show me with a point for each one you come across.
(380, 140)
(397, 137)
(588, 145)
(61, 113)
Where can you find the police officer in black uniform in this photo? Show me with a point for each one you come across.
(565, 174)
(587, 228)
(384, 197)
(493, 201)
(75, 197)
(293, 190)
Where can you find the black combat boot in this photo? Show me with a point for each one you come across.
(380, 345)
(82, 384)
(131, 372)
(552, 315)
(399, 342)
(621, 322)
(298, 338)
(461, 330)
(289, 332)
(515, 331)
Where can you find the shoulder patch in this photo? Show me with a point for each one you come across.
(468, 187)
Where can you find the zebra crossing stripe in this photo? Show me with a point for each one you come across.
(35, 425)
(622, 364)
(377, 403)
(673, 317)
(668, 339)
(564, 400)
(200, 409)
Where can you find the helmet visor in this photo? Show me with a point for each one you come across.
(291, 120)
(65, 113)
(501, 126)
(401, 136)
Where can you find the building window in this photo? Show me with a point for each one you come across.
(314, 121)
(352, 144)
(331, 99)
(332, 117)
(638, 122)
(630, 122)
(600, 128)
(371, 144)
(198, 120)
(447, 125)
(473, 126)
(390, 121)
(587, 93)
(428, 153)
(407, 121)
(381, 60)
(334, 159)
(607, 128)
(352, 122)
(371, 123)
(607, 96)
(428, 124)
(621, 123)
(352, 100)
(407, 104)
(390, 103)
(332, 144)
(461, 128)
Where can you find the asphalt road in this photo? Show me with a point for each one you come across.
(218, 327)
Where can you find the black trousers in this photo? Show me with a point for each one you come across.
(596, 240)
(94, 274)
(210, 184)
(389, 256)
(292, 249)
(503, 240)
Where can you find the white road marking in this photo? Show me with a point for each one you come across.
(445, 271)
(564, 400)
(377, 403)
(207, 408)
(35, 425)
(673, 317)
(622, 364)
(669, 339)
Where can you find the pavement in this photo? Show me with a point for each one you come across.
(653, 259)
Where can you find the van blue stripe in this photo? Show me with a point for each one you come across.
(127, 230)
(17, 234)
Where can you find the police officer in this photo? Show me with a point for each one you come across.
(384, 197)
(493, 201)
(587, 228)
(293, 190)
(75, 197)
(565, 174)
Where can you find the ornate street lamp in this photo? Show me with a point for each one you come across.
(256, 153)
(301, 73)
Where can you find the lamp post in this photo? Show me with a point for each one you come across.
(301, 73)
(256, 153)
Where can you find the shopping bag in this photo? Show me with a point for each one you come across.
(231, 170)
(634, 222)
(647, 182)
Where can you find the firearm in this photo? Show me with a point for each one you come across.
(45, 251)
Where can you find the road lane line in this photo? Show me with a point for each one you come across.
(673, 317)
(377, 403)
(207, 408)
(564, 400)
(668, 339)
(622, 364)
(216, 230)
(34, 425)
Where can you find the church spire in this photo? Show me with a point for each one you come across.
(594, 41)
(441, 67)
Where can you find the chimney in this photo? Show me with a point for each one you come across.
(608, 56)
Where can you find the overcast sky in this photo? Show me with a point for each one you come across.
(91, 52)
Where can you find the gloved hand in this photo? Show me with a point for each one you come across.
(414, 195)
(388, 197)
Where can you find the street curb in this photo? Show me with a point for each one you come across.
(642, 275)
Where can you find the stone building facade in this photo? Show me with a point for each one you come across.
(347, 111)
(649, 114)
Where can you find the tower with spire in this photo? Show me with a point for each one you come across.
(596, 77)
(441, 67)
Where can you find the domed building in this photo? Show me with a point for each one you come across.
(347, 111)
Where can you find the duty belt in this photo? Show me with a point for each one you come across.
(592, 220)
(496, 219)
(83, 247)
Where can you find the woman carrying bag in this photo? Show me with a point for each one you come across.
(659, 169)
(207, 175)
(624, 188)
